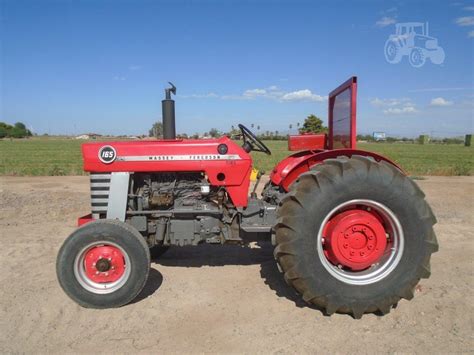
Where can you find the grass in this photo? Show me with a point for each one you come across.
(415, 159)
(61, 156)
(40, 156)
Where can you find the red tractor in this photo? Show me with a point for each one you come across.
(352, 233)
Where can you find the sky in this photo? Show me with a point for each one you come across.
(71, 67)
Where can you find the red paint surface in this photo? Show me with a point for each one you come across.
(288, 170)
(85, 219)
(341, 139)
(306, 141)
(354, 239)
(342, 105)
(236, 172)
(113, 257)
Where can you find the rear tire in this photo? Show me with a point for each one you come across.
(103, 264)
(302, 217)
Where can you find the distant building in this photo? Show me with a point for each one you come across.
(89, 136)
(379, 136)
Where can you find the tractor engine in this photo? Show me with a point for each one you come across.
(166, 190)
(176, 208)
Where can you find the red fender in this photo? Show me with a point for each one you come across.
(290, 168)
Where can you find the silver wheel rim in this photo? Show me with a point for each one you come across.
(95, 287)
(387, 263)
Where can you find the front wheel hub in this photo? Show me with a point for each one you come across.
(355, 239)
(104, 264)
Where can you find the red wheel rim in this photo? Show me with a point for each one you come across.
(360, 242)
(104, 264)
(355, 239)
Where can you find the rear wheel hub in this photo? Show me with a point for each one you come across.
(354, 239)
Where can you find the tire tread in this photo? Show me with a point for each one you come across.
(316, 179)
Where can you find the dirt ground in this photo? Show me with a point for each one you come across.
(218, 299)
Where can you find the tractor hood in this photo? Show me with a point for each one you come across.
(223, 161)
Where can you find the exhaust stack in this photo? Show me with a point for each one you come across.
(167, 105)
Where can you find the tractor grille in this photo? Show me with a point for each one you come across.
(100, 185)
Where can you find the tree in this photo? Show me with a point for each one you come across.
(234, 132)
(17, 133)
(5, 129)
(313, 124)
(156, 130)
(20, 125)
(3, 132)
(214, 133)
(19, 130)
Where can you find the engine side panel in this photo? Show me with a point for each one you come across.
(288, 170)
(230, 170)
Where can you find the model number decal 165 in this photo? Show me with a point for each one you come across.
(107, 154)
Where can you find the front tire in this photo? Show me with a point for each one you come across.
(103, 264)
(393, 51)
(354, 236)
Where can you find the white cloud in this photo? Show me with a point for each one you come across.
(119, 78)
(134, 67)
(385, 21)
(469, 8)
(470, 34)
(376, 102)
(400, 110)
(253, 93)
(303, 95)
(394, 106)
(272, 93)
(465, 21)
(390, 102)
(439, 101)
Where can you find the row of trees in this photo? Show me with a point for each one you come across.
(18, 130)
(370, 138)
(312, 124)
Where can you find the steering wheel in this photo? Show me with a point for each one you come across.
(251, 141)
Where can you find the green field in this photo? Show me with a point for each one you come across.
(61, 156)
